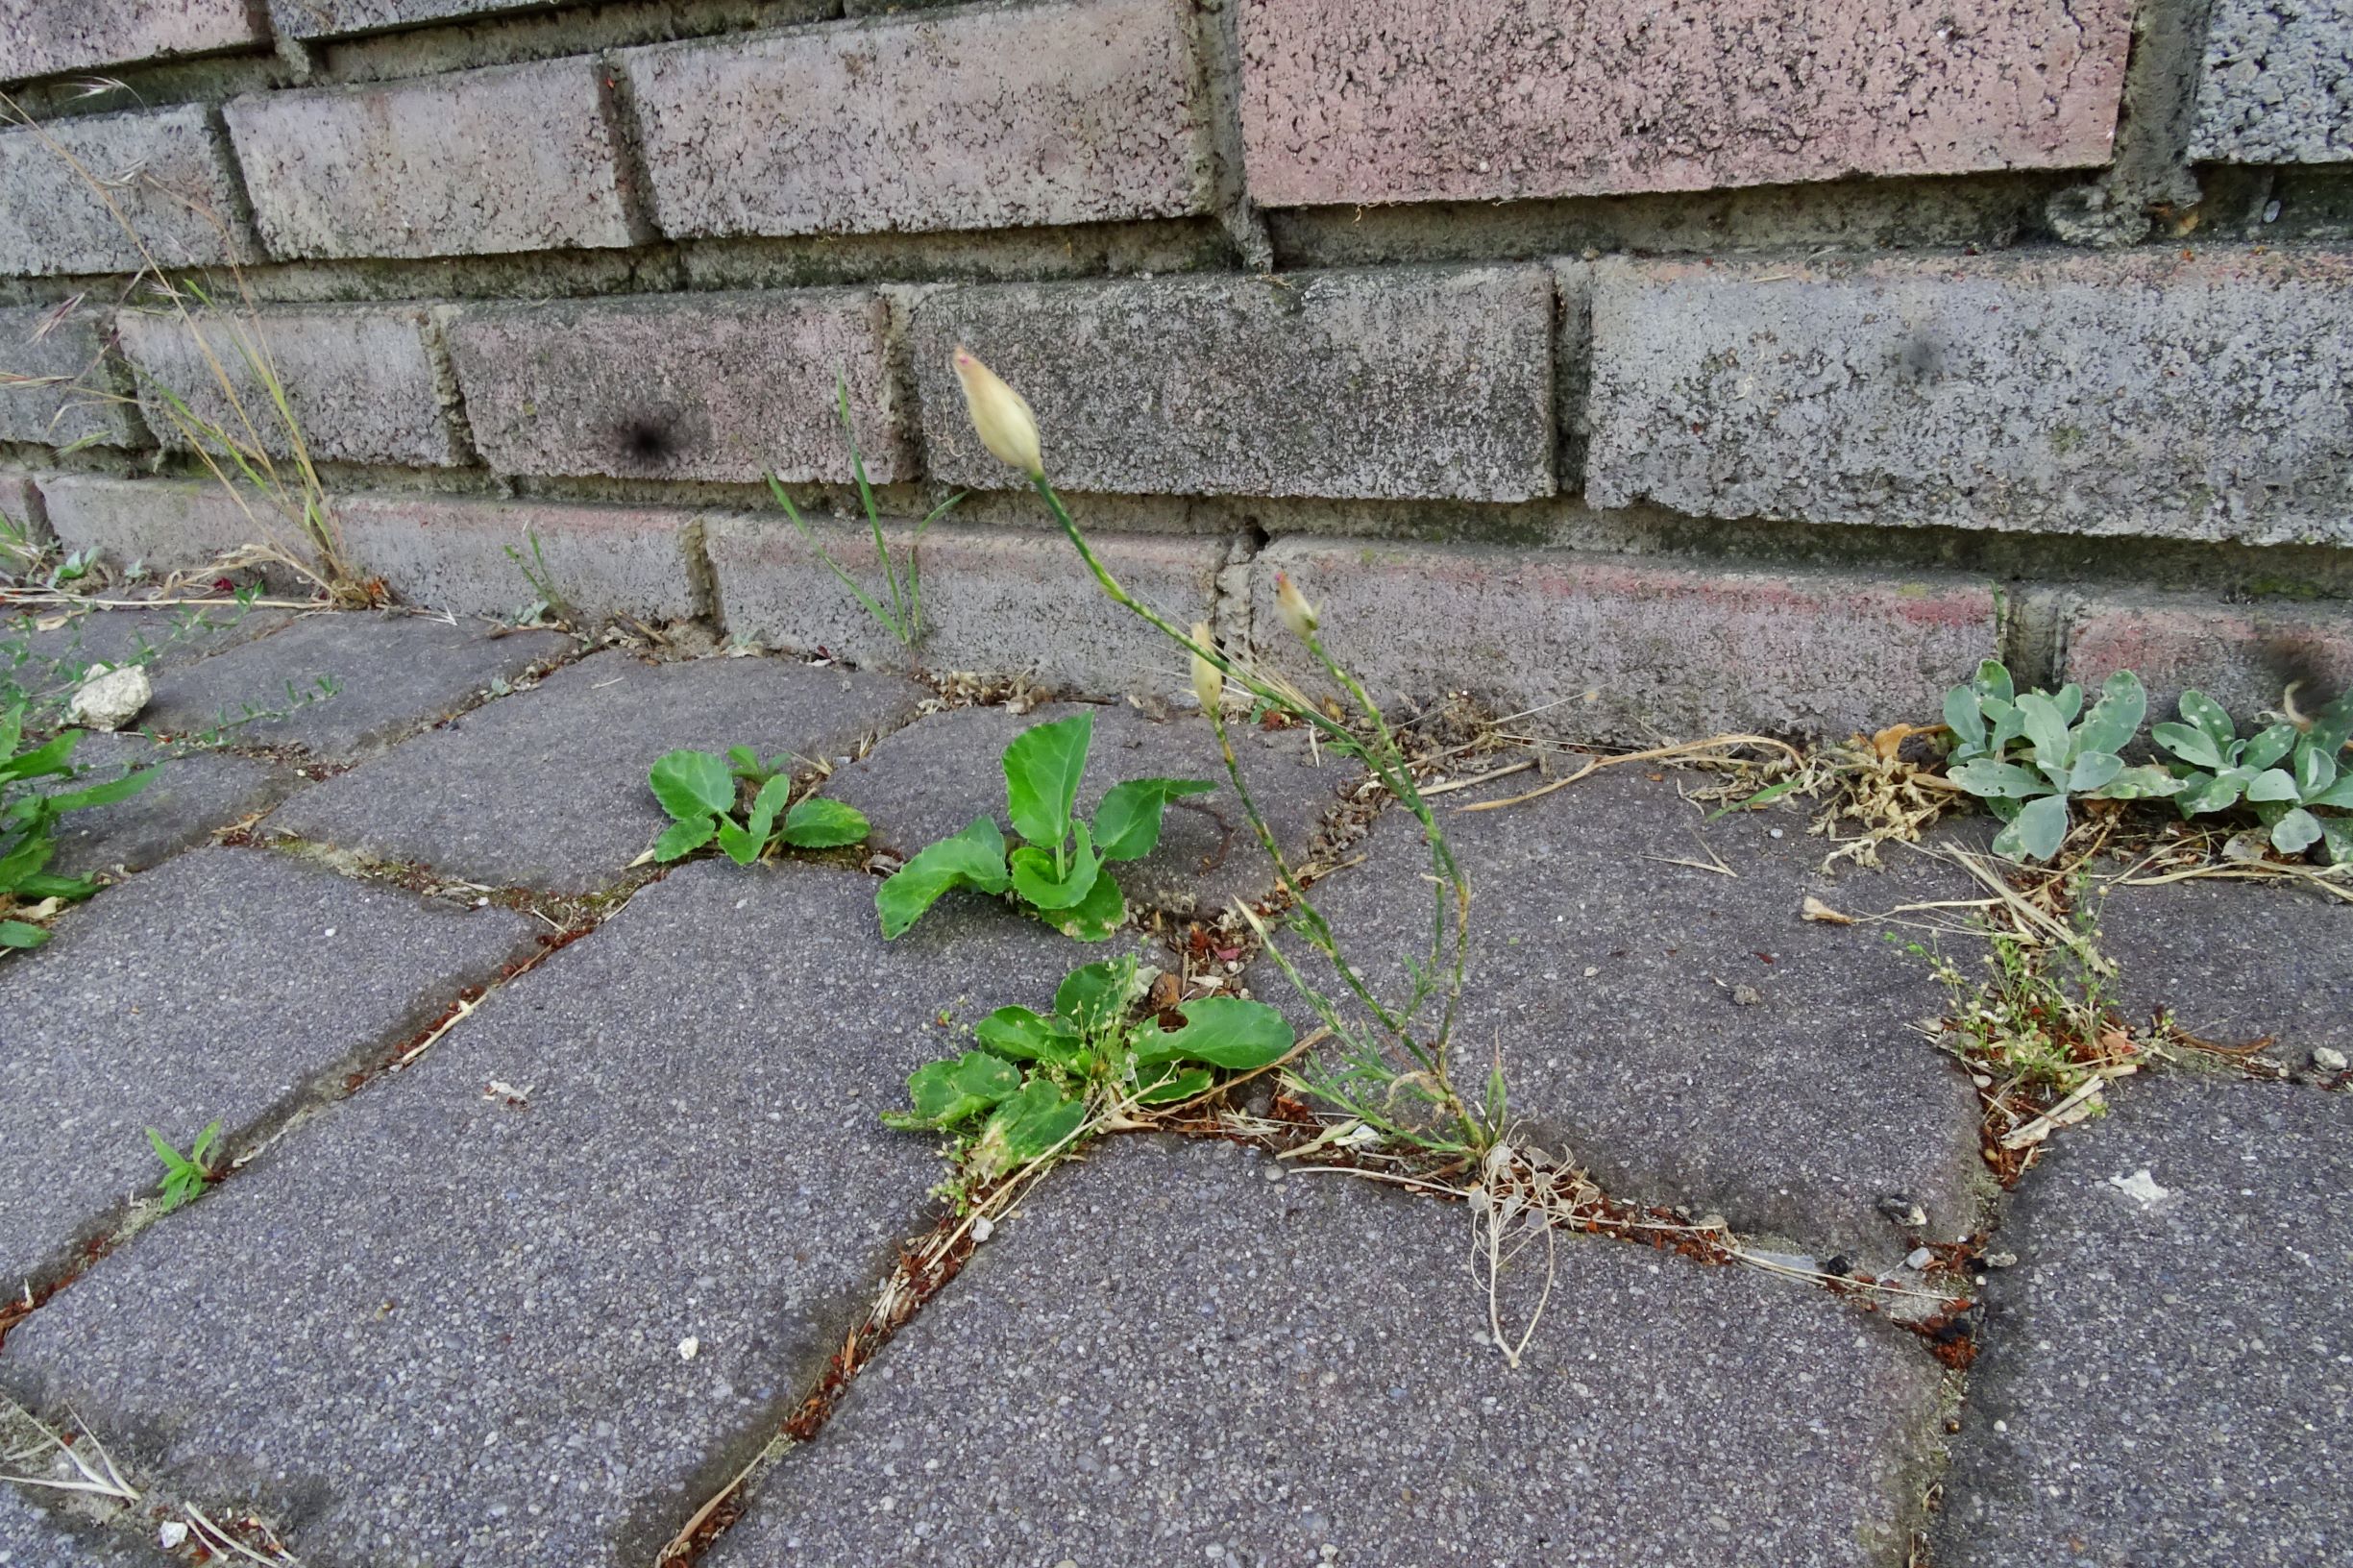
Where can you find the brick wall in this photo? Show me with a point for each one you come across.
(1668, 364)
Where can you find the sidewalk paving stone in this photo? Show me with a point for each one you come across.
(2234, 961)
(119, 636)
(395, 674)
(35, 1534)
(441, 1327)
(931, 779)
(1168, 1359)
(547, 789)
(190, 796)
(2167, 1372)
(1686, 1033)
(234, 983)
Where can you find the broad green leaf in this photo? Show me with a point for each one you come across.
(2210, 719)
(1029, 1126)
(2067, 700)
(1985, 776)
(42, 761)
(1223, 1031)
(25, 862)
(2314, 771)
(761, 824)
(1023, 1036)
(974, 858)
(819, 823)
(740, 844)
(693, 784)
(2008, 726)
(1095, 996)
(2333, 725)
(1993, 679)
(2218, 792)
(1094, 918)
(2339, 832)
(103, 795)
(2093, 770)
(2339, 795)
(1042, 772)
(2045, 729)
(2039, 831)
(2191, 743)
(2273, 784)
(12, 722)
(2115, 718)
(2268, 746)
(1963, 717)
(945, 1093)
(1034, 878)
(2295, 832)
(1127, 824)
(682, 838)
(48, 885)
(21, 934)
(2147, 782)
(1165, 1084)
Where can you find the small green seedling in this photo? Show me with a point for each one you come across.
(1035, 1078)
(2027, 755)
(1059, 867)
(698, 791)
(184, 1175)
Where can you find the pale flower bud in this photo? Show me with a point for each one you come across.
(1000, 415)
(1209, 682)
(1297, 613)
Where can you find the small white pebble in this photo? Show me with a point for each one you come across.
(688, 1347)
(1920, 1258)
(1773, 832)
(2327, 1059)
(983, 1229)
(170, 1533)
(329, 932)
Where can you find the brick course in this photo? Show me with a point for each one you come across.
(1400, 383)
(360, 381)
(979, 119)
(2278, 84)
(44, 37)
(342, 18)
(2197, 398)
(169, 524)
(1622, 647)
(20, 505)
(997, 599)
(474, 163)
(699, 386)
(167, 170)
(1433, 100)
(450, 553)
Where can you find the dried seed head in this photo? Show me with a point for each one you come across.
(1297, 613)
(1000, 415)
(1209, 682)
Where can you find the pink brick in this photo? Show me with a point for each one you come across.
(695, 386)
(1621, 647)
(450, 552)
(167, 525)
(997, 599)
(975, 119)
(342, 18)
(2242, 655)
(42, 38)
(359, 380)
(475, 163)
(166, 171)
(1430, 100)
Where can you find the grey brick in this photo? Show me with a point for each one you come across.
(2244, 656)
(450, 552)
(1400, 383)
(995, 599)
(344, 18)
(2234, 962)
(39, 1528)
(2131, 394)
(358, 379)
(21, 506)
(475, 163)
(979, 119)
(40, 342)
(170, 524)
(44, 37)
(167, 170)
(2278, 84)
(190, 796)
(1622, 647)
(699, 386)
